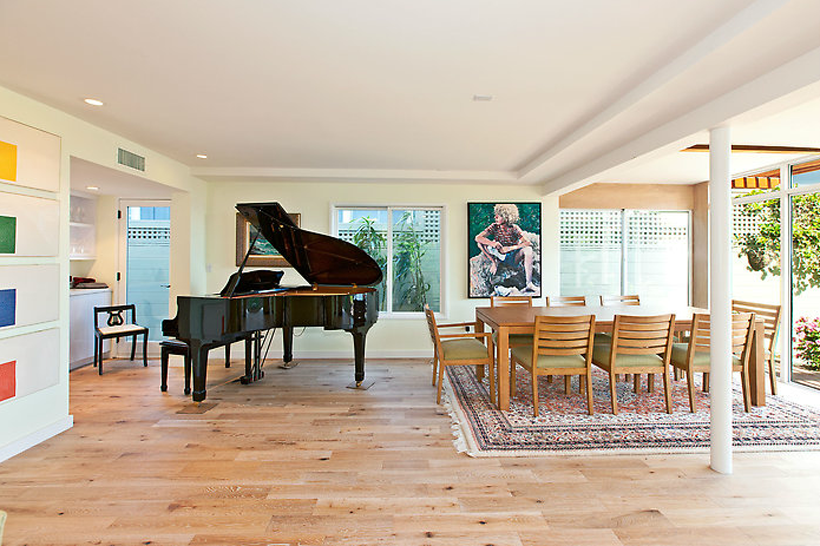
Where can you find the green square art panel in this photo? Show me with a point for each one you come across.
(8, 234)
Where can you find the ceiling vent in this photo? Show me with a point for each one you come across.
(130, 159)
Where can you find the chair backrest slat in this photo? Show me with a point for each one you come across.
(620, 300)
(561, 336)
(505, 301)
(642, 335)
(769, 313)
(566, 301)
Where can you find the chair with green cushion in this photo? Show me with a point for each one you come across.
(515, 340)
(561, 346)
(639, 345)
(458, 349)
(693, 357)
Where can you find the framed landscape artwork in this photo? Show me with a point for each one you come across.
(263, 254)
(503, 249)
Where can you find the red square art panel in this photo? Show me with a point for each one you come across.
(7, 380)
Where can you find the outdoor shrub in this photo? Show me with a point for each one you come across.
(807, 341)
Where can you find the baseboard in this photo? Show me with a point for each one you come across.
(348, 355)
(21, 445)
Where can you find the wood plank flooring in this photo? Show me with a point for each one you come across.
(297, 458)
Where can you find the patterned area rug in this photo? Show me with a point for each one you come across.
(641, 426)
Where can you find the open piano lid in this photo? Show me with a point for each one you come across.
(320, 259)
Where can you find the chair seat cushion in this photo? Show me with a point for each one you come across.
(516, 340)
(700, 360)
(524, 355)
(463, 349)
(601, 354)
(122, 329)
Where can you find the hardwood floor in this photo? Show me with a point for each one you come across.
(299, 459)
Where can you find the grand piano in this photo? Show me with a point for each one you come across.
(340, 296)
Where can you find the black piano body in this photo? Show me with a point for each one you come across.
(333, 300)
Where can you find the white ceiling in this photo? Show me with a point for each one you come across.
(583, 91)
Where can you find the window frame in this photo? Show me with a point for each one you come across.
(443, 255)
(624, 223)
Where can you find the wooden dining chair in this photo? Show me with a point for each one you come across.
(639, 345)
(561, 346)
(566, 301)
(458, 349)
(515, 340)
(770, 314)
(620, 300)
(693, 357)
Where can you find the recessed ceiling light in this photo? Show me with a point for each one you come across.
(482, 98)
(202, 156)
(94, 102)
(92, 188)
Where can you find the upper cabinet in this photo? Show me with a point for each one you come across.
(83, 227)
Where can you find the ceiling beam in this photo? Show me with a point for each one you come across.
(754, 149)
(672, 135)
(726, 32)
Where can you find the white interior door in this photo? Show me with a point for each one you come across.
(143, 267)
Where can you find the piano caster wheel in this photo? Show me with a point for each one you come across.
(245, 380)
(163, 388)
(361, 385)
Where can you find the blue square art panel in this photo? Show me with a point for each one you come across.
(8, 307)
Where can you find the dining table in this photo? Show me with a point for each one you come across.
(520, 319)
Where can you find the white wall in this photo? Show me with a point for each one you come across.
(29, 420)
(389, 337)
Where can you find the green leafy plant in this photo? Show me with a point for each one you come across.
(410, 288)
(807, 341)
(762, 249)
(372, 241)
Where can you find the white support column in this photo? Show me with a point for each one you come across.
(720, 299)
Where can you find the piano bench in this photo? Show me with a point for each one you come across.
(169, 347)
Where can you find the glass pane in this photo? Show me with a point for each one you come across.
(657, 256)
(590, 252)
(416, 259)
(367, 229)
(806, 174)
(806, 288)
(147, 265)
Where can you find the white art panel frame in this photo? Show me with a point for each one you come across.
(38, 223)
(38, 155)
(36, 356)
(37, 292)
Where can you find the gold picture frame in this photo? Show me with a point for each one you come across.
(264, 255)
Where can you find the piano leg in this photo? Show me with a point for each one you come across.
(358, 356)
(199, 366)
(287, 343)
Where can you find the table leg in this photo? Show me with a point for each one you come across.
(503, 365)
(757, 368)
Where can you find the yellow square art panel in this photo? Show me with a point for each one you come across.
(8, 161)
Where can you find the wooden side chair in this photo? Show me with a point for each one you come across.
(458, 349)
(566, 301)
(639, 345)
(771, 328)
(560, 346)
(693, 357)
(115, 326)
(515, 340)
(620, 300)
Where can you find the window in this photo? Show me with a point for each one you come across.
(406, 243)
(608, 252)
